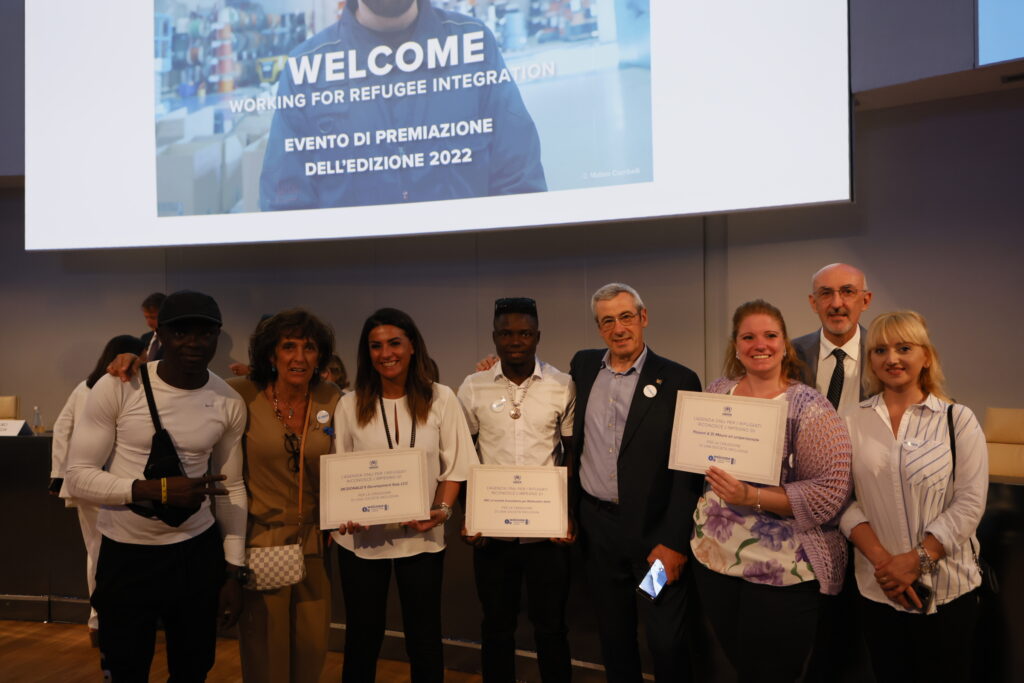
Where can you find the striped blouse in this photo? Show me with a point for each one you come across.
(904, 488)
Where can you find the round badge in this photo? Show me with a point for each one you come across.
(499, 405)
(650, 391)
(323, 417)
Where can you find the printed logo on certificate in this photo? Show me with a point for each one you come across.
(374, 487)
(741, 435)
(517, 502)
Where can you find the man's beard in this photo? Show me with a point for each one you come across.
(388, 8)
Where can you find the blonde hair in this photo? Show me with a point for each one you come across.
(908, 327)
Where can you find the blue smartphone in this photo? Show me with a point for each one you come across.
(652, 583)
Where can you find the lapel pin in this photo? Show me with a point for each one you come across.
(650, 391)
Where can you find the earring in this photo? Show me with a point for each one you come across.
(273, 370)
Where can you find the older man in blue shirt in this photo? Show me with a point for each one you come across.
(632, 509)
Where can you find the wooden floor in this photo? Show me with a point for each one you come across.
(60, 653)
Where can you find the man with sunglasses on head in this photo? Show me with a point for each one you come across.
(159, 560)
(834, 355)
(633, 509)
(520, 412)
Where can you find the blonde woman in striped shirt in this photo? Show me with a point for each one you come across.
(915, 515)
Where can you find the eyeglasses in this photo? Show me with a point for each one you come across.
(846, 293)
(627, 319)
(292, 444)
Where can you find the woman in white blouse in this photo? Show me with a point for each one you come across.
(396, 405)
(914, 518)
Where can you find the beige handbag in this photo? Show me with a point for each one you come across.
(277, 566)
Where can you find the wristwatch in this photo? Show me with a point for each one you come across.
(925, 560)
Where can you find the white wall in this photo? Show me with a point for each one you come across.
(938, 223)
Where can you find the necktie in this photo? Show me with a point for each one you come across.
(835, 385)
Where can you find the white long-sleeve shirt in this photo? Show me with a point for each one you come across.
(115, 430)
(62, 429)
(904, 488)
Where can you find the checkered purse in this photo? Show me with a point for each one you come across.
(278, 566)
(275, 567)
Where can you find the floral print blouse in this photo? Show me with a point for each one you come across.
(735, 540)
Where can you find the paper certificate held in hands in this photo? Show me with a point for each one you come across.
(741, 435)
(517, 502)
(373, 487)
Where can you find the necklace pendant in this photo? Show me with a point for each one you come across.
(515, 413)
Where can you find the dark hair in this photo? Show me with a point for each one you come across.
(419, 390)
(124, 343)
(297, 323)
(154, 300)
(343, 379)
(519, 304)
(792, 366)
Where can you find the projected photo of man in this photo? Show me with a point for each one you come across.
(276, 105)
(398, 101)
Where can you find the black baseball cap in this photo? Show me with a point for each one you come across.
(189, 305)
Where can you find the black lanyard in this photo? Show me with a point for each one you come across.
(384, 416)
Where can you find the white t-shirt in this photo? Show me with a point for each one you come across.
(449, 448)
(115, 431)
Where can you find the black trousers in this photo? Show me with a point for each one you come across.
(910, 647)
(364, 584)
(178, 585)
(614, 570)
(500, 568)
(766, 631)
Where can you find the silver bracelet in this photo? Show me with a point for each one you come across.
(757, 506)
(445, 508)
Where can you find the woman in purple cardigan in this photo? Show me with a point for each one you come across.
(765, 553)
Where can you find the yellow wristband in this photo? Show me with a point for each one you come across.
(163, 490)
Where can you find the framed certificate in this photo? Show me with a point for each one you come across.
(374, 487)
(743, 436)
(517, 502)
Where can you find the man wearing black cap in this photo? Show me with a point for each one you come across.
(148, 569)
(520, 412)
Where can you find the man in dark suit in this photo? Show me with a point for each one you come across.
(150, 310)
(834, 355)
(839, 295)
(630, 507)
